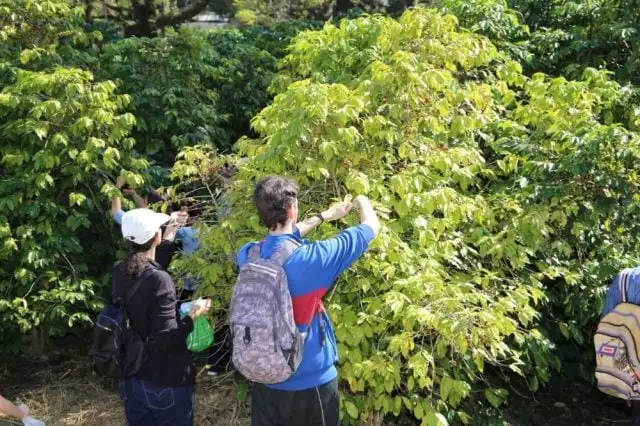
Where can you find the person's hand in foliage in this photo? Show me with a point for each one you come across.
(171, 229)
(335, 212)
(199, 307)
(130, 192)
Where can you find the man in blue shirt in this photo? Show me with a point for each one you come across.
(310, 396)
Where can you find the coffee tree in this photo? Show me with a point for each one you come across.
(64, 137)
(508, 203)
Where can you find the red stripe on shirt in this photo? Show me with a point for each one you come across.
(305, 306)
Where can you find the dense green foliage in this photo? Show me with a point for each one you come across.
(192, 87)
(568, 36)
(560, 36)
(62, 135)
(509, 202)
(508, 195)
(267, 12)
(68, 132)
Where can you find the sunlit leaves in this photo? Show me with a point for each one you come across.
(63, 137)
(500, 194)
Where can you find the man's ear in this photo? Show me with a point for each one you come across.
(292, 211)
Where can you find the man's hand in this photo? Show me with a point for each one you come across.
(337, 211)
(360, 201)
(199, 307)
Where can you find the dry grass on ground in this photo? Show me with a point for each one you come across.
(63, 391)
(69, 395)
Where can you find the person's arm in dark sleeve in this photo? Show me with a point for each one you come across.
(164, 253)
(168, 331)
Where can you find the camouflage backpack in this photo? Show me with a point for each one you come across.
(267, 346)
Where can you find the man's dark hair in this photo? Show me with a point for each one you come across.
(273, 196)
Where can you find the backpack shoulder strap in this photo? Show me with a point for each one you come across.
(284, 251)
(623, 284)
(254, 253)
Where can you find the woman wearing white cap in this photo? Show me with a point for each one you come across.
(162, 391)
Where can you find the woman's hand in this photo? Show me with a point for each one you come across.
(199, 307)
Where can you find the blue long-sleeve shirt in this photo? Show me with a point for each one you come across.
(311, 271)
(614, 296)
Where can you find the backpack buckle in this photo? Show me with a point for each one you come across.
(247, 336)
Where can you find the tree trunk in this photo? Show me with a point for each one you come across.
(147, 20)
(88, 10)
(141, 14)
(342, 6)
(38, 342)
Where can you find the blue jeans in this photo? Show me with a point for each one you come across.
(149, 405)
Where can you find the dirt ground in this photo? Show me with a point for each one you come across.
(64, 392)
(565, 403)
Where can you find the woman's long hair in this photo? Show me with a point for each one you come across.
(136, 261)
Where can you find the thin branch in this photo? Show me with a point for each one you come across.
(118, 9)
(182, 16)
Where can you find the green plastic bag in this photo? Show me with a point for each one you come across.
(201, 338)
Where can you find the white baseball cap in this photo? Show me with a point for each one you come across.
(141, 225)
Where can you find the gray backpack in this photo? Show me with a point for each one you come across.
(267, 346)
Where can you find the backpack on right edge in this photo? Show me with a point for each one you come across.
(617, 345)
(267, 346)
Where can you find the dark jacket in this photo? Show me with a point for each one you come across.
(152, 312)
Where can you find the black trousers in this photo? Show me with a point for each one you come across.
(635, 413)
(317, 406)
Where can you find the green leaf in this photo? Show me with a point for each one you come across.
(352, 410)
(442, 420)
(242, 390)
(76, 198)
(496, 397)
(445, 387)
